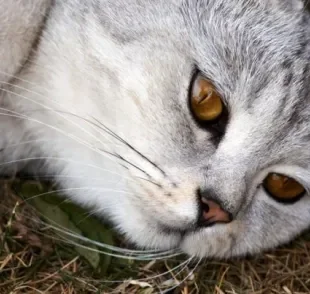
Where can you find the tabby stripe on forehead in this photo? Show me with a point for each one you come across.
(262, 84)
(287, 63)
(303, 40)
(288, 79)
(302, 47)
(301, 82)
(291, 108)
(287, 85)
(302, 96)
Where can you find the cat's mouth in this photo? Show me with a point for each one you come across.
(217, 240)
(211, 229)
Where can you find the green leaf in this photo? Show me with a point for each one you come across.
(56, 210)
(54, 214)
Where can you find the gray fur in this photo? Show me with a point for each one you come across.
(112, 77)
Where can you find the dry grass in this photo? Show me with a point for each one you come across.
(32, 261)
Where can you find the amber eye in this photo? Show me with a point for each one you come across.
(282, 187)
(205, 101)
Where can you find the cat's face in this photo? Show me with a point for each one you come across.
(255, 54)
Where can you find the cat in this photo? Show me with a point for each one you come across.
(183, 122)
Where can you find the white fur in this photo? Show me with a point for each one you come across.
(127, 66)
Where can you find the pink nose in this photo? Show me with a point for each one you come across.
(213, 213)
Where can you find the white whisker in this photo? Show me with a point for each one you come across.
(61, 159)
(25, 142)
(58, 228)
(182, 281)
(77, 189)
(127, 253)
(182, 265)
(108, 155)
(71, 136)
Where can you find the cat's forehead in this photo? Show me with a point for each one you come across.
(256, 54)
(226, 39)
(234, 39)
(254, 51)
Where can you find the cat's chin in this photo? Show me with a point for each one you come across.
(219, 241)
(209, 242)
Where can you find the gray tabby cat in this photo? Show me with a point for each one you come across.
(184, 122)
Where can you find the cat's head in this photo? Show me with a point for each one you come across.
(209, 101)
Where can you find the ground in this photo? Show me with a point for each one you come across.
(36, 258)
